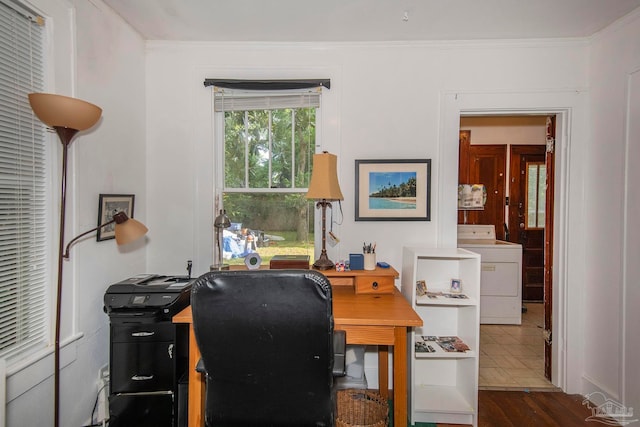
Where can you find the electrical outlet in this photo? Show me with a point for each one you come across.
(103, 373)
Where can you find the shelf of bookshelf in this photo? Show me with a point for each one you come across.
(441, 354)
(443, 404)
(432, 349)
(441, 300)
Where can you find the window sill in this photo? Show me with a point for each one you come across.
(27, 373)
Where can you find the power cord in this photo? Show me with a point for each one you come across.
(105, 421)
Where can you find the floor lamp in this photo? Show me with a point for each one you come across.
(67, 116)
(324, 188)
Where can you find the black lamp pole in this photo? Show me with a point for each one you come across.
(65, 134)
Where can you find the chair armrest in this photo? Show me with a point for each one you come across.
(200, 367)
(339, 347)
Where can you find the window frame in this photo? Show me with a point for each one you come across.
(219, 158)
(219, 152)
(541, 175)
(41, 296)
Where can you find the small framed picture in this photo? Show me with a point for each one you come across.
(109, 205)
(421, 288)
(456, 286)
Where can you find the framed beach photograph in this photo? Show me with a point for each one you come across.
(110, 204)
(393, 190)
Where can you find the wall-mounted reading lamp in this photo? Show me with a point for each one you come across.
(67, 116)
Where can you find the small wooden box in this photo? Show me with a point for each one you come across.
(289, 261)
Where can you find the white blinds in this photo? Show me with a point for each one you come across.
(239, 100)
(22, 185)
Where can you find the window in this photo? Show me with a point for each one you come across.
(266, 144)
(23, 234)
(536, 194)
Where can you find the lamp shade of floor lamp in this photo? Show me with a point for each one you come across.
(67, 116)
(324, 188)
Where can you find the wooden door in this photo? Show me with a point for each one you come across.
(484, 164)
(526, 205)
(548, 244)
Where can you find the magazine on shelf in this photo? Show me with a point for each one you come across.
(436, 295)
(448, 343)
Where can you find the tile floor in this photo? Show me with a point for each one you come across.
(511, 356)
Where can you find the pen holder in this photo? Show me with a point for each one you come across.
(370, 261)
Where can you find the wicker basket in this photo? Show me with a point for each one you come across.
(361, 408)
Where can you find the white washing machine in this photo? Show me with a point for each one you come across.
(501, 273)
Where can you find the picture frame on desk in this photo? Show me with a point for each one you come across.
(109, 205)
(393, 190)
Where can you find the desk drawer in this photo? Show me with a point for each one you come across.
(368, 335)
(143, 367)
(341, 281)
(374, 285)
(143, 332)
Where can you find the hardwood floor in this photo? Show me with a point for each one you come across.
(531, 409)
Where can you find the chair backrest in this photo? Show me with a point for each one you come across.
(266, 339)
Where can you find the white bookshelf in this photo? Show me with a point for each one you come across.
(443, 385)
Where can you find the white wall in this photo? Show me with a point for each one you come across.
(631, 291)
(387, 101)
(384, 102)
(611, 339)
(96, 57)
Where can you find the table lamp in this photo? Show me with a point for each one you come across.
(324, 188)
(67, 116)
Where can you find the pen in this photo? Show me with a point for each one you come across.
(369, 248)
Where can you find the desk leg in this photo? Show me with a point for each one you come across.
(400, 377)
(196, 384)
(383, 371)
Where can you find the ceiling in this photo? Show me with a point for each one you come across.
(367, 20)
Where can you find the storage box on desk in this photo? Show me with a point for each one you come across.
(289, 261)
(356, 261)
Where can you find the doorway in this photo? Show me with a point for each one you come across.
(508, 155)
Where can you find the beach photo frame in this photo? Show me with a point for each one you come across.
(393, 190)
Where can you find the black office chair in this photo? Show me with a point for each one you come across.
(267, 344)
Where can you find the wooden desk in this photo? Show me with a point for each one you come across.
(380, 319)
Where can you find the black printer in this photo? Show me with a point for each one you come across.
(148, 353)
(149, 295)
